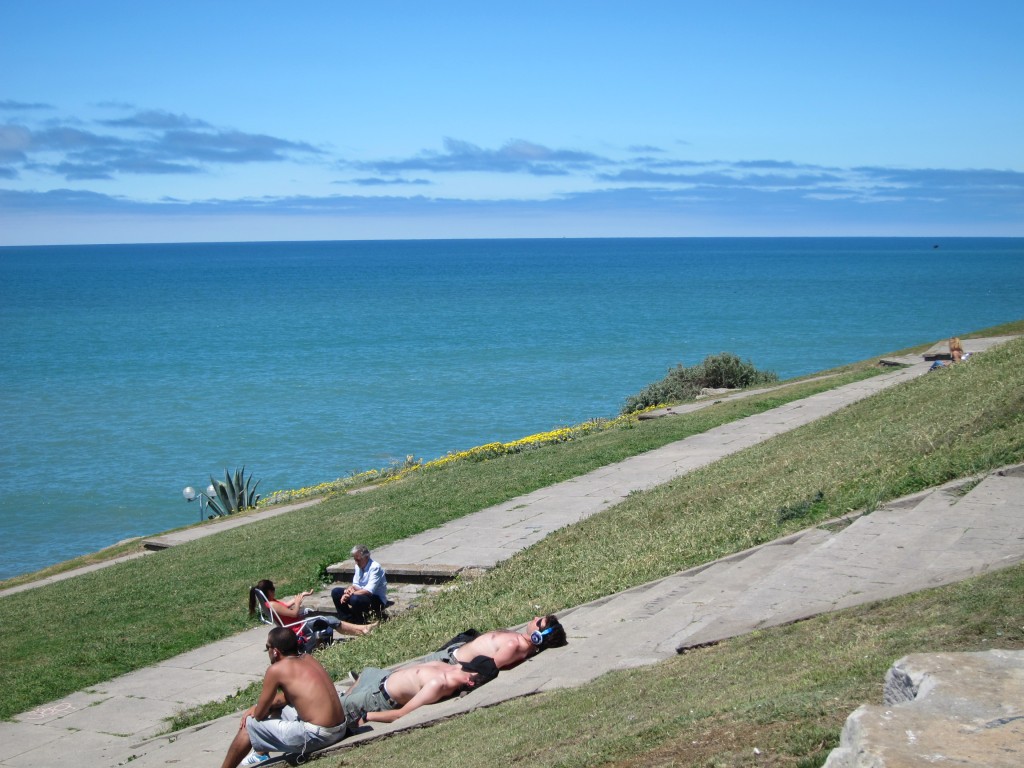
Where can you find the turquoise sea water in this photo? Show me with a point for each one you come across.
(128, 372)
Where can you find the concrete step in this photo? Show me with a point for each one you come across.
(676, 605)
(402, 596)
(404, 573)
(937, 538)
(408, 584)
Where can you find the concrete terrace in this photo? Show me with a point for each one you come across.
(936, 537)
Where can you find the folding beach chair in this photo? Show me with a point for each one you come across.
(309, 638)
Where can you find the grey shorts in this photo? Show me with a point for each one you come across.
(291, 735)
(368, 694)
(447, 655)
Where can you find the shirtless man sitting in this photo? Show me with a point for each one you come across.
(507, 647)
(383, 696)
(300, 692)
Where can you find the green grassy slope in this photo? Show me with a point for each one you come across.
(142, 611)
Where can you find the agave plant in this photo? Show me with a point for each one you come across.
(234, 494)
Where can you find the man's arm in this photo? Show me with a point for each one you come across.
(287, 611)
(433, 691)
(270, 697)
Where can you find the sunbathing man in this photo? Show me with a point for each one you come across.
(507, 647)
(383, 696)
(301, 693)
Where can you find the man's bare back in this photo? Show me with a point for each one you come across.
(307, 687)
(298, 707)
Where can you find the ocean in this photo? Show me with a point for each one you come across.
(130, 371)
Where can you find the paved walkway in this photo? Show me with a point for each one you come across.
(951, 537)
(163, 541)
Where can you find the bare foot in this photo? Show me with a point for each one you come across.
(368, 628)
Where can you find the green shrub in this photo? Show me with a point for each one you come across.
(724, 371)
(236, 493)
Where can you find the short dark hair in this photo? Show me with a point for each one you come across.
(483, 667)
(283, 640)
(553, 635)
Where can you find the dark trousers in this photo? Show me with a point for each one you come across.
(359, 609)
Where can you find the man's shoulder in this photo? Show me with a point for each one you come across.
(501, 634)
(448, 678)
(509, 637)
(289, 666)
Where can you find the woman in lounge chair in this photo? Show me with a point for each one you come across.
(289, 612)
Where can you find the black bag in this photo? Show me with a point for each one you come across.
(316, 635)
(461, 639)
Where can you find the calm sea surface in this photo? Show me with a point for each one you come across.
(129, 372)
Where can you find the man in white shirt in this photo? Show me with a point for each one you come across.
(367, 597)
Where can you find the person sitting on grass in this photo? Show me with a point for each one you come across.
(367, 595)
(506, 647)
(298, 710)
(956, 349)
(383, 696)
(290, 610)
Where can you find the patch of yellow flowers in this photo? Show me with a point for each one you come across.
(480, 453)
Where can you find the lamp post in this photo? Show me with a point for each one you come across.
(191, 494)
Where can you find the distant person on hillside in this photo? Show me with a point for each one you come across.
(506, 647)
(290, 610)
(298, 710)
(367, 597)
(956, 350)
(383, 696)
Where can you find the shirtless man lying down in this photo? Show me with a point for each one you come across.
(383, 695)
(506, 647)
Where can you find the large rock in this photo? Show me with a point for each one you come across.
(941, 709)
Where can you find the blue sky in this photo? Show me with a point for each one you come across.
(228, 121)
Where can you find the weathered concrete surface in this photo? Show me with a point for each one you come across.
(929, 539)
(941, 709)
(400, 572)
